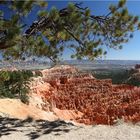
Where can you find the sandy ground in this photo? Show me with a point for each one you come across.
(16, 109)
(14, 129)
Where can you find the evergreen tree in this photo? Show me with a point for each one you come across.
(73, 27)
(15, 84)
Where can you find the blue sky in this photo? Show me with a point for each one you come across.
(130, 51)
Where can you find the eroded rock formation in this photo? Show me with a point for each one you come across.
(92, 101)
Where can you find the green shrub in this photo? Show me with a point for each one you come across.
(134, 81)
(117, 76)
(15, 84)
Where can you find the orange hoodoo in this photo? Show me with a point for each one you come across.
(99, 101)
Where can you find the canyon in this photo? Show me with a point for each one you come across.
(66, 93)
(76, 96)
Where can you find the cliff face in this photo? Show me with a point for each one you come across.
(134, 77)
(82, 98)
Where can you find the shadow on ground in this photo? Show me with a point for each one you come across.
(32, 129)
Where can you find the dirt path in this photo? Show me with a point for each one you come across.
(14, 129)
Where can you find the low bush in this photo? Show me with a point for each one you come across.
(15, 84)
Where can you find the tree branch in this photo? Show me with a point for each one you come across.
(45, 21)
(3, 46)
(72, 34)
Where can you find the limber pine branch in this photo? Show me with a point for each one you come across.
(46, 22)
